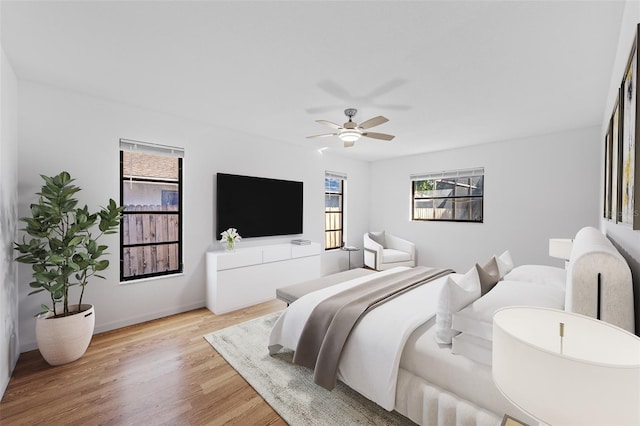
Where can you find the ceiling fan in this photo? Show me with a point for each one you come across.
(351, 131)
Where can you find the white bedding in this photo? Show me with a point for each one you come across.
(371, 357)
(477, 318)
(379, 347)
(435, 363)
(473, 347)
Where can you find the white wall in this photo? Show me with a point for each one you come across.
(626, 239)
(8, 220)
(61, 130)
(535, 189)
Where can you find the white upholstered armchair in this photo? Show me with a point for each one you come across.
(383, 251)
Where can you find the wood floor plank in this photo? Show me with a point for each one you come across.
(155, 373)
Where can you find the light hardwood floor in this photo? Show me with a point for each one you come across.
(157, 373)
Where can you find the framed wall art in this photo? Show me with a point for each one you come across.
(615, 161)
(608, 175)
(621, 151)
(628, 201)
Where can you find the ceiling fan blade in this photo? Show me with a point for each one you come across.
(386, 87)
(382, 136)
(393, 107)
(335, 89)
(319, 110)
(375, 121)
(349, 144)
(329, 123)
(322, 135)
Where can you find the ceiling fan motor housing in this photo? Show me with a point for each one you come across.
(350, 112)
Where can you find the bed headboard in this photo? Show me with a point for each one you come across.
(594, 263)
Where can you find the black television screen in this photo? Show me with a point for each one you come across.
(257, 206)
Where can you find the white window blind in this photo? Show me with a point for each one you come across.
(449, 174)
(335, 175)
(151, 148)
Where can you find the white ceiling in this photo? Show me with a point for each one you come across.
(446, 73)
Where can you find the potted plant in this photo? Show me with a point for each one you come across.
(64, 253)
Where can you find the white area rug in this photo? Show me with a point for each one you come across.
(289, 388)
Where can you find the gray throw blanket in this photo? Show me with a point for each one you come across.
(330, 323)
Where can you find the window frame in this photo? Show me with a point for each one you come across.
(179, 213)
(342, 179)
(454, 174)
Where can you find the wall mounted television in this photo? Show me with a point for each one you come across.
(258, 206)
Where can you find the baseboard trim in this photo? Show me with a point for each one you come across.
(101, 328)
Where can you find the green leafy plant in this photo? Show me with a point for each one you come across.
(62, 249)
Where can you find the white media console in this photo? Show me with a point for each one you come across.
(251, 275)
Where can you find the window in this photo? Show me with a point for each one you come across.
(448, 196)
(151, 227)
(333, 209)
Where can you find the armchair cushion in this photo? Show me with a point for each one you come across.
(391, 255)
(397, 243)
(378, 237)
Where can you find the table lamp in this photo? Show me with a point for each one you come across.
(560, 248)
(564, 368)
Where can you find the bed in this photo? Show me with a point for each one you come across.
(432, 362)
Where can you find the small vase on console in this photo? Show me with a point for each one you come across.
(229, 238)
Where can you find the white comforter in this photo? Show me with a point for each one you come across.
(370, 359)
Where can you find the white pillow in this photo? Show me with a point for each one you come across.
(378, 237)
(453, 297)
(477, 318)
(541, 274)
(505, 263)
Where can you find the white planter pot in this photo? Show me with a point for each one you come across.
(65, 339)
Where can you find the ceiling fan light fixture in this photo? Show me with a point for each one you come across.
(350, 132)
(349, 135)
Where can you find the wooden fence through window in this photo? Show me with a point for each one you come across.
(149, 227)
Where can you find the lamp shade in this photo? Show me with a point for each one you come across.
(591, 376)
(560, 248)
